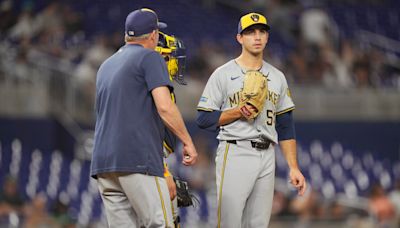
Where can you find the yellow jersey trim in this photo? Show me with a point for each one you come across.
(173, 96)
(167, 173)
(284, 111)
(168, 147)
(221, 184)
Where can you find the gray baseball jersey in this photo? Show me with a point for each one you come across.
(222, 93)
(245, 174)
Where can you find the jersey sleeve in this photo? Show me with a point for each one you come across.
(212, 97)
(155, 71)
(285, 103)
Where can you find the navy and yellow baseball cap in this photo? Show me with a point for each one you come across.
(142, 21)
(252, 19)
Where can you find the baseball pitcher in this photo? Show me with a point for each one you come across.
(248, 101)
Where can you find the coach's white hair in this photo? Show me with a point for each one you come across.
(136, 38)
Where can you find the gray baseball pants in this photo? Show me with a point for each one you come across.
(135, 200)
(245, 185)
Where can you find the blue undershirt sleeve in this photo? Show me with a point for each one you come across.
(208, 120)
(285, 126)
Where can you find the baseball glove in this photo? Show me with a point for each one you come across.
(254, 92)
(184, 197)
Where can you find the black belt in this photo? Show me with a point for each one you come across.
(255, 144)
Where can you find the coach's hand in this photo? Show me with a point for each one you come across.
(298, 181)
(189, 154)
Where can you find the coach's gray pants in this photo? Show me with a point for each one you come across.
(245, 185)
(135, 200)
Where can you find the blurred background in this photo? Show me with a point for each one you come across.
(341, 59)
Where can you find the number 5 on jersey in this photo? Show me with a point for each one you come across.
(270, 117)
